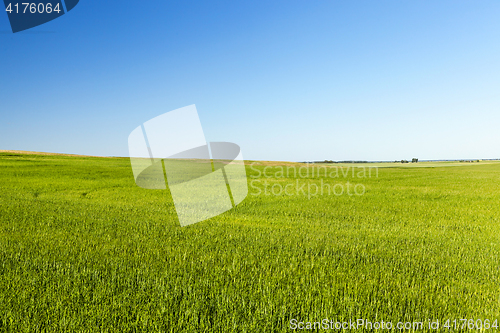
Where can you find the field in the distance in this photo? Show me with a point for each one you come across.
(82, 248)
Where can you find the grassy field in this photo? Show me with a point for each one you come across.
(83, 249)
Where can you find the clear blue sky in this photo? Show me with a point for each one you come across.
(286, 80)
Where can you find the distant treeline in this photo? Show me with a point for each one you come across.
(414, 160)
(329, 161)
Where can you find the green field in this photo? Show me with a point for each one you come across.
(83, 249)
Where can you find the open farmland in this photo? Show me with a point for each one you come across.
(82, 248)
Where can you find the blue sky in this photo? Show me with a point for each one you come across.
(286, 80)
